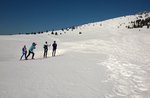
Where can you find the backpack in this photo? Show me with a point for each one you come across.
(45, 47)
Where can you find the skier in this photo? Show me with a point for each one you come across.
(24, 52)
(45, 49)
(54, 48)
(31, 50)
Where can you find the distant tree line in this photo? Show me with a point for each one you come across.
(140, 23)
(53, 32)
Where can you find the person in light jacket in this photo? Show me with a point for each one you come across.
(33, 46)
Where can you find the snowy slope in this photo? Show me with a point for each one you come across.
(106, 61)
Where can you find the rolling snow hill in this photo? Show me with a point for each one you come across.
(96, 60)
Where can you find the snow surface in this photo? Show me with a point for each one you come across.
(103, 62)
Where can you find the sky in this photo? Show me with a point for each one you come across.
(25, 16)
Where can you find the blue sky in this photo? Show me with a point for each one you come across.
(39, 15)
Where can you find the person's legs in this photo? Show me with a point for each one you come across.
(54, 52)
(25, 56)
(28, 55)
(21, 56)
(44, 54)
(32, 55)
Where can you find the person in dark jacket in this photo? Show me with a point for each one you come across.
(33, 46)
(45, 49)
(24, 52)
(54, 48)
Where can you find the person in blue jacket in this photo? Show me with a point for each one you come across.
(24, 52)
(33, 46)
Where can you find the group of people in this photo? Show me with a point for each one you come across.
(33, 46)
